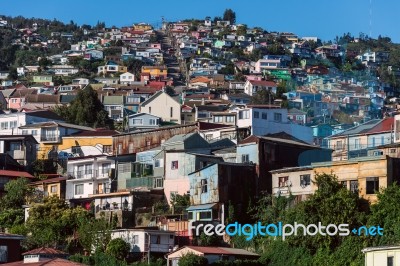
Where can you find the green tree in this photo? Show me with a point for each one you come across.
(134, 66)
(191, 259)
(118, 248)
(230, 16)
(86, 109)
(262, 97)
(17, 193)
(241, 30)
(180, 202)
(94, 233)
(52, 223)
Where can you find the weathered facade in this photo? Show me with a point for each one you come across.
(134, 142)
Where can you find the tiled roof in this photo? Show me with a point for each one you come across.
(44, 251)
(10, 173)
(386, 124)
(47, 262)
(265, 83)
(222, 251)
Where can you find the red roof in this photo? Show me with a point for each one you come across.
(46, 262)
(44, 251)
(266, 83)
(10, 173)
(264, 106)
(385, 125)
(222, 251)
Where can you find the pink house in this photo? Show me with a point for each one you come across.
(17, 99)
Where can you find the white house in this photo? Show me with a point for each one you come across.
(384, 255)
(146, 240)
(127, 78)
(252, 86)
(164, 106)
(87, 176)
(10, 123)
(270, 119)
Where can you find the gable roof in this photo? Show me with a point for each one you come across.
(142, 114)
(17, 174)
(360, 129)
(265, 83)
(154, 96)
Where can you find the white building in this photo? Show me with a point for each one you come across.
(269, 119)
(252, 86)
(385, 255)
(127, 78)
(88, 175)
(160, 241)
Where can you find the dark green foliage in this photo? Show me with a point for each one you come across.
(180, 202)
(191, 259)
(230, 16)
(262, 97)
(98, 259)
(118, 248)
(86, 110)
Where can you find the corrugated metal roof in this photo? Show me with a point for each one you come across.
(201, 207)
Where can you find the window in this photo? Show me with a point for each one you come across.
(79, 189)
(230, 119)
(15, 146)
(13, 124)
(392, 150)
(171, 112)
(256, 114)
(339, 145)
(155, 239)
(137, 121)
(107, 148)
(149, 109)
(34, 132)
(283, 180)
(3, 254)
(372, 185)
(159, 183)
(245, 158)
(135, 239)
(277, 117)
(203, 184)
(305, 180)
(158, 163)
(264, 116)
(244, 114)
(53, 189)
(205, 215)
(24, 132)
(218, 119)
(354, 186)
(4, 125)
(357, 144)
(344, 184)
(174, 165)
(153, 122)
(390, 261)
(75, 149)
(190, 215)
(299, 118)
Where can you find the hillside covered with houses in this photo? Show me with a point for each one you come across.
(136, 132)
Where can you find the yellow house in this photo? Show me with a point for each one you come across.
(88, 143)
(52, 187)
(50, 136)
(364, 175)
(155, 71)
(142, 26)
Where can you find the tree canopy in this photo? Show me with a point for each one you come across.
(229, 15)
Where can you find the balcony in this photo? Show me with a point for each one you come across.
(149, 182)
(50, 139)
(89, 174)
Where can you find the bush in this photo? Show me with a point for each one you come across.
(192, 260)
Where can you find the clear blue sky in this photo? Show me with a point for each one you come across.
(324, 19)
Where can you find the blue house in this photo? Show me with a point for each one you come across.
(217, 185)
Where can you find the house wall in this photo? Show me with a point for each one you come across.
(379, 257)
(138, 240)
(294, 187)
(359, 170)
(247, 149)
(13, 249)
(161, 107)
(93, 145)
(147, 140)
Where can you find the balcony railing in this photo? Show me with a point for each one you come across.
(113, 207)
(49, 138)
(149, 182)
(86, 174)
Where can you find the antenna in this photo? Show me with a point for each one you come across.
(370, 18)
